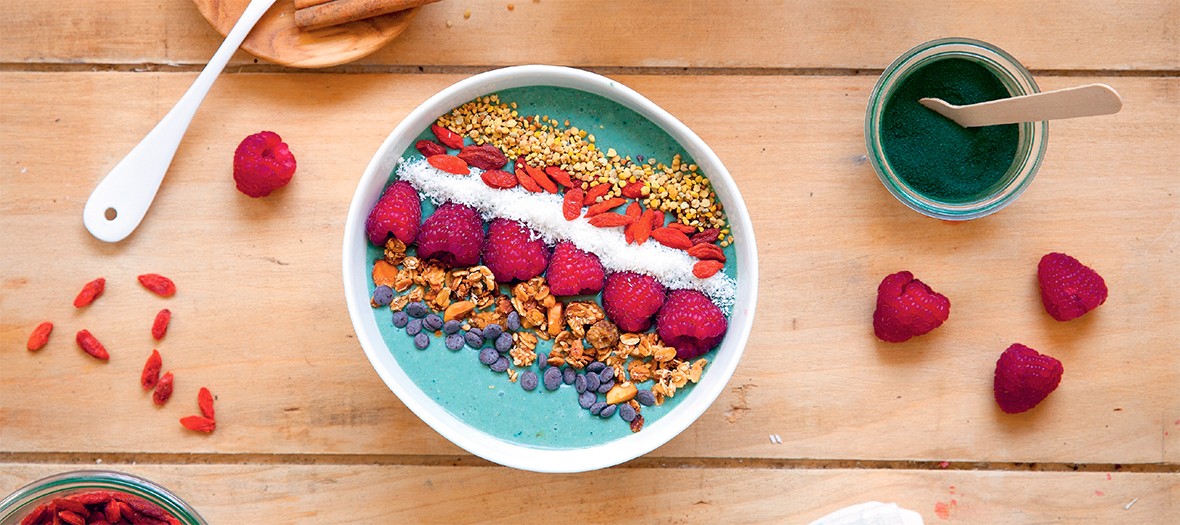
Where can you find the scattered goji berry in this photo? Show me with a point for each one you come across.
(682, 228)
(596, 191)
(158, 284)
(151, 371)
(199, 423)
(642, 227)
(657, 219)
(571, 205)
(541, 178)
(449, 138)
(498, 179)
(705, 269)
(610, 220)
(449, 164)
(633, 190)
(90, 291)
(671, 238)
(205, 402)
(605, 206)
(484, 157)
(705, 251)
(163, 389)
(526, 181)
(629, 233)
(709, 235)
(40, 336)
(561, 176)
(430, 148)
(634, 210)
(91, 345)
(160, 325)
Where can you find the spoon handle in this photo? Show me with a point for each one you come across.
(121, 199)
(1080, 101)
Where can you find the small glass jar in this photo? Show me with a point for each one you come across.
(20, 503)
(1033, 136)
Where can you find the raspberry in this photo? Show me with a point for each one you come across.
(514, 252)
(452, 235)
(690, 323)
(262, 164)
(1024, 378)
(398, 211)
(906, 307)
(1069, 288)
(573, 271)
(631, 300)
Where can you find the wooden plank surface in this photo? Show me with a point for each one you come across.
(261, 321)
(1057, 34)
(347, 494)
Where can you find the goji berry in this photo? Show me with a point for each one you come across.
(430, 148)
(633, 190)
(709, 235)
(541, 178)
(498, 179)
(629, 233)
(449, 164)
(160, 325)
(114, 511)
(199, 424)
(90, 345)
(94, 497)
(642, 227)
(705, 251)
(151, 371)
(571, 206)
(40, 336)
(205, 402)
(561, 176)
(633, 210)
(158, 284)
(70, 517)
(449, 138)
(69, 504)
(605, 206)
(706, 269)
(141, 506)
(682, 228)
(671, 238)
(89, 292)
(610, 220)
(163, 389)
(657, 219)
(526, 181)
(484, 157)
(596, 191)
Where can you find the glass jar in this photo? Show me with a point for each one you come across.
(1033, 136)
(20, 503)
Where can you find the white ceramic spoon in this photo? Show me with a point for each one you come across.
(121, 199)
(1081, 101)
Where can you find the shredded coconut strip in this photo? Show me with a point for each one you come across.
(542, 212)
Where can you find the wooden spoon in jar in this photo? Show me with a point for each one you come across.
(1080, 101)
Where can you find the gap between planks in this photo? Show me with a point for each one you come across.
(427, 460)
(256, 67)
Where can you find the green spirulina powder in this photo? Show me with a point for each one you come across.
(933, 155)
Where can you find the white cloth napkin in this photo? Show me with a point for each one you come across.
(871, 513)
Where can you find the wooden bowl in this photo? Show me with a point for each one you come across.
(277, 39)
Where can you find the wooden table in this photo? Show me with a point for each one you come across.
(308, 433)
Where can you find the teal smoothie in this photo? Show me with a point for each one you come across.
(488, 401)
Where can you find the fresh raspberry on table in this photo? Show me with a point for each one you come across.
(690, 323)
(397, 212)
(1024, 378)
(452, 235)
(1069, 288)
(573, 271)
(262, 164)
(631, 300)
(513, 252)
(907, 307)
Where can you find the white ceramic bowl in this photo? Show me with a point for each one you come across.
(356, 276)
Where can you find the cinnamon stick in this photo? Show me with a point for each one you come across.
(324, 13)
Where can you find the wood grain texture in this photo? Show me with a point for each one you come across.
(847, 34)
(260, 320)
(370, 494)
(276, 37)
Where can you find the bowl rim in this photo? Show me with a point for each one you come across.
(465, 436)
